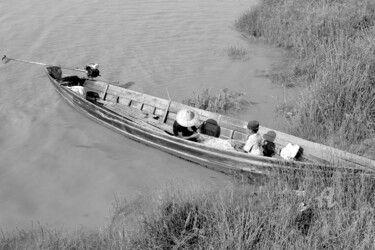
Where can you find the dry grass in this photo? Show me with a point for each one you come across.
(224, 101)
(236, 216)
(236, 53)
(332, 43)
(245, 217)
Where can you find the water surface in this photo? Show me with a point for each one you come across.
(60, 168)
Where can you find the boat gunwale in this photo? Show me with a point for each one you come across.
(326, 153)
(261, 160)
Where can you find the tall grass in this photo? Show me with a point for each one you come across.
(333, 46)
(224, 101)
(235, 216)
(237, 53)
(245, 217)
(332, 42)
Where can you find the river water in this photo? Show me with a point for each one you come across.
(58, 167)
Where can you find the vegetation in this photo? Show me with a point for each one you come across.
(222, 102)
(234, 217)
(332, 43)
(237, 53)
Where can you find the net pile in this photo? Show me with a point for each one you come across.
(217, 143)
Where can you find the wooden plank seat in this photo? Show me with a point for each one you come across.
(145, 119)
(142, 108)
(154, 122)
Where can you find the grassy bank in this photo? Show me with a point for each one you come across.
(332, 45)
(245, 217)
(232, 217)
(332, 48)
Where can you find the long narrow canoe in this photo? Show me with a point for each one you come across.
(149, 120)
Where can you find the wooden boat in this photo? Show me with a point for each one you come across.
(149, 120)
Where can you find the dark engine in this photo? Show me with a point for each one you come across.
(92, 70)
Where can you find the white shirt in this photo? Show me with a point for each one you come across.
(254, 145)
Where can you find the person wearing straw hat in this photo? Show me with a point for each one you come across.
(185, 125)
(253, 144)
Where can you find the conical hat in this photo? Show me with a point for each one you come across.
(187, 118)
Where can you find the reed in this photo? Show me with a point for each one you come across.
(245, 217)
(332, 48)
(224, 101)
(332, 42)
(235, 216)
(237, 53)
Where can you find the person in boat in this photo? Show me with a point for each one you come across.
(254, 142)
(186, 125)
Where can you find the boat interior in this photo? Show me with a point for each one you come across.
(160, 114)
(164, 111)
(157, 111)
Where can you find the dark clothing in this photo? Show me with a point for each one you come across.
(211, 128)
(269, 148)
(73, 81)
(184, 130)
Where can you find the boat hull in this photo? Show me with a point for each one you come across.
(221, 160)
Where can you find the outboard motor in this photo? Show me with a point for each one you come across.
(92, 70)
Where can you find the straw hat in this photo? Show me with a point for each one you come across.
(187, 118)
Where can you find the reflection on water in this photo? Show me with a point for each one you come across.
(59, 167)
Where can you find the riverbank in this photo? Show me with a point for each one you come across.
(64, 169)
(237, 216)
(332, 64)
(340, 208)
